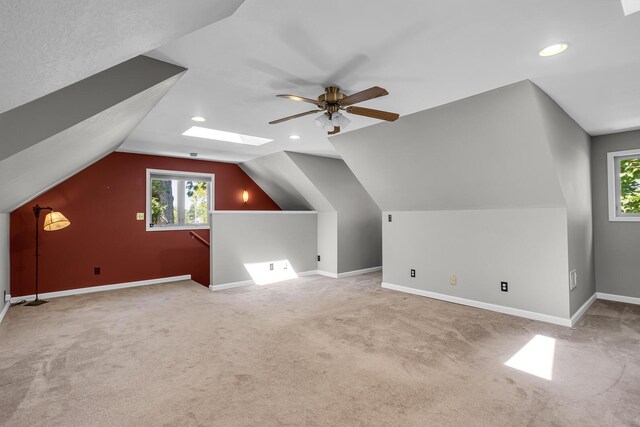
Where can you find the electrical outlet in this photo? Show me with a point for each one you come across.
(140, 216)
(573, 280)
(271, 266)
(453, 280)
(413, 273)
(389, 217)
(96, 270)
(318, 257)
(504, 286)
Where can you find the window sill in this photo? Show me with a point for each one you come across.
(624, 219)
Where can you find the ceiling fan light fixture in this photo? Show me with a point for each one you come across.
(339, 120)
(322, 120)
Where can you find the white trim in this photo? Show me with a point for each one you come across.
(578, 314)
(358, 272)
(147, 202)
(4, 310)
(612, 184)
(618, 298)
(232, 285)
(483, 305)
(326, 274)
(102, 288)
(262, 212)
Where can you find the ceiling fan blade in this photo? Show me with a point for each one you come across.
(302, 99)
(335, 130)
(376, 114)
(295, 116)
(372, 92)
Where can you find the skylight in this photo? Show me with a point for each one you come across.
(630, 6)
(220, 135)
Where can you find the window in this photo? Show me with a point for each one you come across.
(624, 185)
(178, 200)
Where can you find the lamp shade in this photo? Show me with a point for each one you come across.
(55, 221)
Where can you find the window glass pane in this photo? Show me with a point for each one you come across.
(176, 202)
(196, 202)
(630, 185)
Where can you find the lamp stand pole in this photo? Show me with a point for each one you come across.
(36, 213)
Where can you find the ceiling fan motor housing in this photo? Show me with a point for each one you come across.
(332, 96)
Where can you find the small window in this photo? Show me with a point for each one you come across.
(178, 200)
(624, 185)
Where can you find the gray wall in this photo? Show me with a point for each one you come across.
(507, 154)
(240, 238)
(570, 149)
(358, 217)
(328, 242)
(526, 248)
(617, 244)
(349, 240)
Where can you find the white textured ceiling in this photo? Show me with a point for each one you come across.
(46, 45)
(425, 53)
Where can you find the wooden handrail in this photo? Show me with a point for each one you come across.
(196, 236)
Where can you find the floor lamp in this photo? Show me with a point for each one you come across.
(52, 222)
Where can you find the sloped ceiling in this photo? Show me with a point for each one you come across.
(298, 181)
(425, 53)
(50, 139)
(486, 151)
(48, 45)
(285, 183)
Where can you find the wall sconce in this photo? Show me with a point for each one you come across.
(245, 196)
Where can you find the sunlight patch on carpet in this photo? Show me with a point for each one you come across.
(536, 357)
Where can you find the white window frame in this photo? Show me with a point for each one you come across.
(210, 208)
(613, 168)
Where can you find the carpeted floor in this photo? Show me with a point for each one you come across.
(312, 351)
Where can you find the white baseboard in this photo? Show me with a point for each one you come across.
(251, 282)
(357, 272)
(231, 285)
(618, 298)
(7, 304)
(578, 314)
(348, 273)
(326, 274)
(102, 288)
(483, 305)
(303, 274)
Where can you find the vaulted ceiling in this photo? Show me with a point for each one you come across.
(47, 45)
(424, 53)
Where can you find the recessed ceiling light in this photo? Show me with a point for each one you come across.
(554, 49)
(220, 135)
(294, 137)
(198, 119)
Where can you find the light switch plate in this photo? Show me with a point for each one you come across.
(140, 216)
(573, 280)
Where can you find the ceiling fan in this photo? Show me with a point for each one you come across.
(332, 101)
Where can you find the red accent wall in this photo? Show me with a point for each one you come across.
(101, 202)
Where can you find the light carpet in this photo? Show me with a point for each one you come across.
(313, 351)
